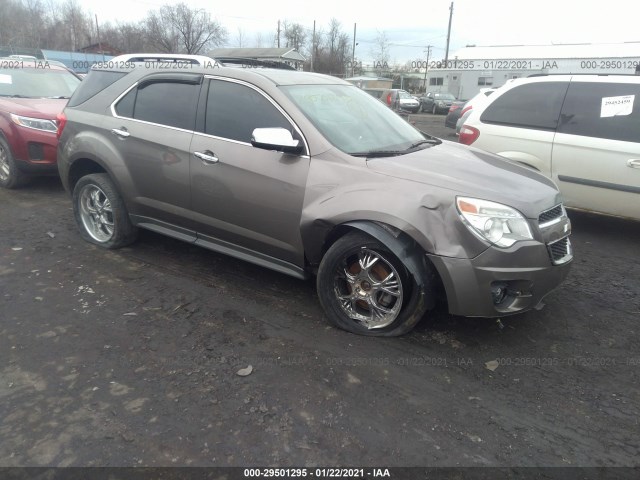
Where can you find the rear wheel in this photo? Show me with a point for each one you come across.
(100, 212)
(365, 289)
(10, 176)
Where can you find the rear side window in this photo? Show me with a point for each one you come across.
(533, 105)
(234, 111)
(602, 110)
(93, 83)
(165, 103)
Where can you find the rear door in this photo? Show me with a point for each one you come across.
(596, 153)
(154, 123)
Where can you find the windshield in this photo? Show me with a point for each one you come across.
(405, 95)
(37, 82)
(445, 96)
(353, 121)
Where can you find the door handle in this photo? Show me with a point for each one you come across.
(633, 163)
(122, 132)
(207, 157)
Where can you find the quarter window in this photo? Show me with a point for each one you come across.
(234, 111)
(583, 112)
(166, 103)
(534, 105)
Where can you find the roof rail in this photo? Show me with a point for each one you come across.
(254, 62)
(176, 58)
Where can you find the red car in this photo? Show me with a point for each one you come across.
(32, 94)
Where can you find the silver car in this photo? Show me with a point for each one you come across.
(308, 175)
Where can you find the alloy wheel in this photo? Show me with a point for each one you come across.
(368, 289)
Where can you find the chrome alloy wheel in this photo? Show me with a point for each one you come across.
(96, 213)
(368, 289)
(4, 164)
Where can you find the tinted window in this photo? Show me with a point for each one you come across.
(124, 107)
(234, 111)
(167, 103)
(94, 82)
(583, 112)
(533, 105)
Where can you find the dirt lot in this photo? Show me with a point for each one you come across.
(130, 358)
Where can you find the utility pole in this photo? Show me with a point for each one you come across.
(99, 44)
(353, 52)
(446, 53)
(426, 67)
(313, 44)
(278, 33)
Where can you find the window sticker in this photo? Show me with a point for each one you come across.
(4, 78)
(614, 106)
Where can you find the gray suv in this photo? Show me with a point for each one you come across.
(310, 176)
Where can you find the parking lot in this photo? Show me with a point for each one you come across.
(134, 357)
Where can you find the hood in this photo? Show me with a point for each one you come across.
(46, 108)
(474, 173)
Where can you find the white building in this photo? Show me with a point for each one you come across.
(472, 68)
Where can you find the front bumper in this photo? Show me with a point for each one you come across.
(523, 273)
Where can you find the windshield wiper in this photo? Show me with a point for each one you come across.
(16, 96)
(379, 153)
(60, 96)
(422, 142)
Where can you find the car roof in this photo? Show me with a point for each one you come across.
(277, 76)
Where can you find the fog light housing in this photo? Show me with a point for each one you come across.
(498, 292)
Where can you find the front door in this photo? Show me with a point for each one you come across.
(247, 200)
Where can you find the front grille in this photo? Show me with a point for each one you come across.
(560, 251)
(551, 216)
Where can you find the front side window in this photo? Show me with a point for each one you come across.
(602, 110)
(163, 102)
(533, 105)
(235, 110)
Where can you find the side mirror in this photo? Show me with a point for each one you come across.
(279, 139)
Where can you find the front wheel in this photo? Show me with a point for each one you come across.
(365, 289)
(10, 175)
(100, 212)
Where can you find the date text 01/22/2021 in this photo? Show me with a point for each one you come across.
(329, 472)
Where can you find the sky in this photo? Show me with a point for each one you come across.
(411, 25)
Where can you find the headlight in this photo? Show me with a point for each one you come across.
(496, 223)
(35, 123)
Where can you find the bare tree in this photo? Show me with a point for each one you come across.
(258, 41)
(381, 50)
(179, 28)
(240, 38)
(295, 35)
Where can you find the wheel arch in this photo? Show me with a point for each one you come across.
(81, 166)
(402, 245)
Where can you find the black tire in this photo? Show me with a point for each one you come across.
(10, 175)
(101, 214)
(434, 110)
(342, 259)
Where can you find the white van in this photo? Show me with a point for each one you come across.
(583, 131)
